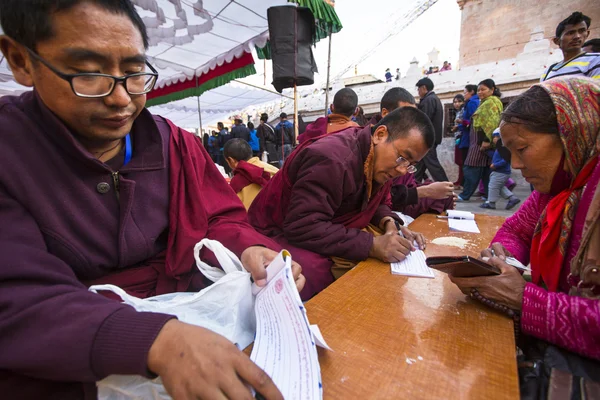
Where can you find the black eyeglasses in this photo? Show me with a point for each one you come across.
(94, 85)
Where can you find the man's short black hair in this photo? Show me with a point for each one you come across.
(220, 124)
(345, 102)
(264, 117)
(392, 97)
(573, 19)
(594, 43)
(428, 83)
(30, 21)
(238, 149)
(283, 115)
(402, 120)
(471, 88)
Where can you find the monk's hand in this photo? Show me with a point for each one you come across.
(390, 248)
(506, 288)
(256, 259)
(454, 200)
(436, 190)
(497, 250)
(195, 363)
(414, 237)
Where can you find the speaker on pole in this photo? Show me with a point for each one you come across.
(291, 32)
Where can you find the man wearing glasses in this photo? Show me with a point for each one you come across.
(95, 189)
(331, 188)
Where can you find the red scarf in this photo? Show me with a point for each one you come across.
(551, 236)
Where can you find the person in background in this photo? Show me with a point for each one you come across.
(224, 137)
(254, 142)
(214, 149)
(205, 140)
(592, 46)
(284, 137)
(342, 109)
(360, 118)
(266, 138)
(446, 67)
(250, 174)
(431, 105)
(553, 138)
(458, 103)
(483, 123)
(464, 123)
(388, 75)
(500, 168)
(332, 196)
(94, 189)
(398, 75)
(571, 33)
(239, 130)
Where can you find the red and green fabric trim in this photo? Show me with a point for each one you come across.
(221, 75)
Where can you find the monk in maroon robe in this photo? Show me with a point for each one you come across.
(409, 197)
(95, 189)
(345, 103)
(332, 187)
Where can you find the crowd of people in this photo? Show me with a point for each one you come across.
(95, 189)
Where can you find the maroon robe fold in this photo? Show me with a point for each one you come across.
(326, 125)
(245, 174)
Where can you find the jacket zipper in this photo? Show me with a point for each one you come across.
(115, 177)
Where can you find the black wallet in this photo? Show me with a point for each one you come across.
(462, 267)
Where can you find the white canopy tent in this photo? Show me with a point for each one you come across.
(194, 41)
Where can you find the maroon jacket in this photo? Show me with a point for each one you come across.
(246, 174)
(61, 223)
(405, 198)
(318, 200)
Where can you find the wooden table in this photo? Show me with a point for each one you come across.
(414, 338)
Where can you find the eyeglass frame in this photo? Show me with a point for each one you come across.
(69, 77)
(410, 168)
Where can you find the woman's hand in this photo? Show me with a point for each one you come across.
(506, 288)
(497, 250)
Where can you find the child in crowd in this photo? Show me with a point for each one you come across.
(250, 174)
(500, 174)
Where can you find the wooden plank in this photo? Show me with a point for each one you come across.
(417, 338)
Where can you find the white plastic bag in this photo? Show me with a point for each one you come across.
(265, 157)
(226, 307)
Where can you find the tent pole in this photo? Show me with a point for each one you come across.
(265, 72)
(199, 116)
(295, 114)
(262, 88)
(328, 69)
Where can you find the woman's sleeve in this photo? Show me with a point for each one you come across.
(567, 321)
(516, 233)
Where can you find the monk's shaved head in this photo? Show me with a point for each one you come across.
(393, 97)
(238, 149)
(345, 102)
(400, 122)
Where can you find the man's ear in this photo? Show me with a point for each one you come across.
(332, 108)
(380, 135)
(231, 162)
(18, 60)
(384, 112)
(556, 41)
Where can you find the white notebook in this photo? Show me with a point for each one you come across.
(463, 221)
(413, 265)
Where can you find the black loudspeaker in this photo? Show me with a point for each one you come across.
(291, 31)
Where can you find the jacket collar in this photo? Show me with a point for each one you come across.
(147, 142)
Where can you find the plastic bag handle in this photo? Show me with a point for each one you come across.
(227, 259)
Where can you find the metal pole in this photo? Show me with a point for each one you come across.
(265, 71)
(328, 69)
(199, 116)
(295, 114)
